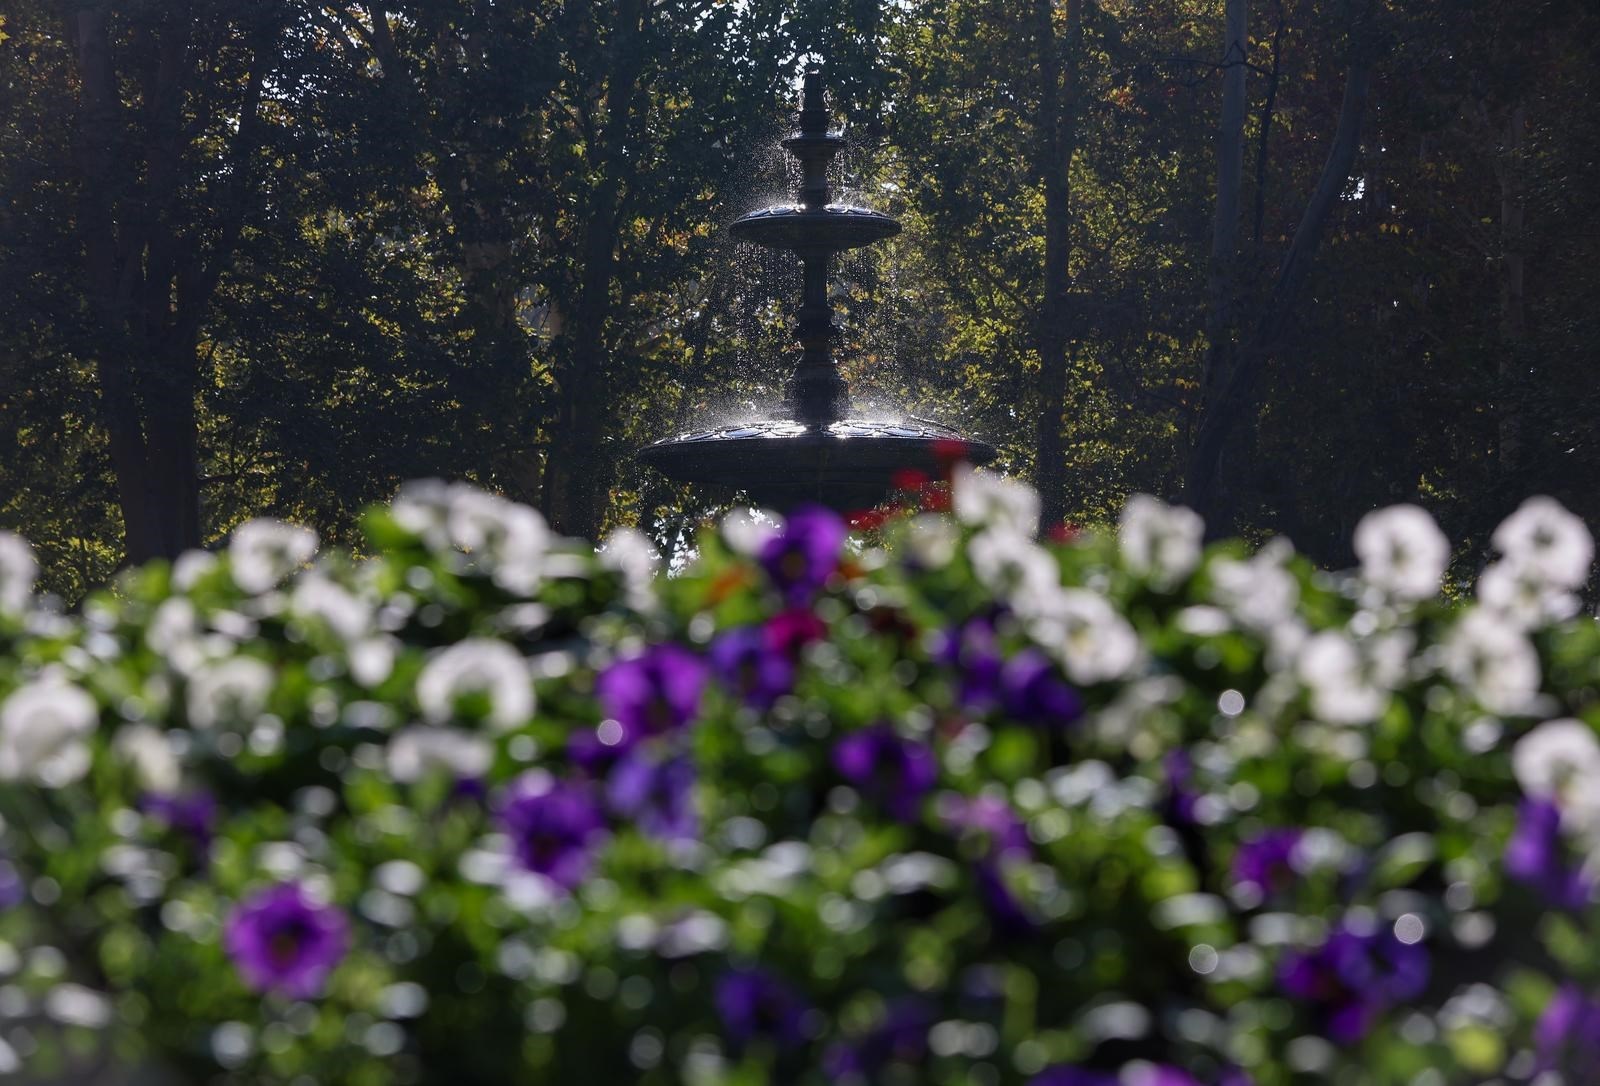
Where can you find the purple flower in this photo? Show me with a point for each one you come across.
(1353, 977)
(1535, 856)
(755, 1004)
(802, 557)
(972, 650)
(1031, 691)
(1070, 1075)
(893, 772)
(1183, 799)
(1266, 861)
(1567, 1035)
(193, 814)
(283, 942)
(790, 631)
(656, 692)
(902, 1037)
(12, 890)
(554, 827)
(747, 664)
(655, 793)
(1003, 841)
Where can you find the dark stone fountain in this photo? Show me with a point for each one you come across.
(818, 454)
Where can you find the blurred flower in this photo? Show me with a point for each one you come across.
(1523, 596)
(1031, 691)
(192, 813)
(43, 727)
(1353, 977)
(802, 557)
(502, 539)
(748, 665)
(656, 793)
(972, 651)
(323, 600)
(790, 631)
(554, 827)
(18, 572)
(755, 1004)
(1535, 856)
(1402, 551)
(1002, 841)
(12, 890)
(285, 943)
(747, 531)
(901, 1036)
(1567, 1036)
(1260, 593)
(630, 553)
(228, 691)
(1351, 681)
(415, 752)
(1158, 541)
(1265, 862)
(149, 751)
(892, 771)
(477, 667)
(1070, 1075)
(1080, 628)
(1542, 536)
(190, 566)
(984, 499)
(1493, 660)
(653, 693)
(372, 659)
(1559, 761)
(930, 541)
(263, 552)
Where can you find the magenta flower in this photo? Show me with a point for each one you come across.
(657, 794)
(892, 771)
(755, 1004)
(284, 943)
(554, 827)
(1354, 977)
(1266, 861)
(802, 557)
(1535, 855)
(653, 693)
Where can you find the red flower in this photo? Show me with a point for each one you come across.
(910, 479)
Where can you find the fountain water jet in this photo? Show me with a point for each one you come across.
(818, 454)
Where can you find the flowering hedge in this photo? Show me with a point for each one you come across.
(935, 803)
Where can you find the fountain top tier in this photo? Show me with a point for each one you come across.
(816, 455)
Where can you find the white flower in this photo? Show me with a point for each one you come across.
(422, 507)
(630, 552)
(150, 752)
(43, 725)
(263, 552)
(1012, 566)
(1523, 596)
(229, 691)
(324, 600)
(507, 541)
(1093, 642)
(189, 567)
(1560, 761)
(1350, 681)
(372, 659)
(417, 751)
(1402, 551)
(477, 666)
(746, 531)
(1543, 537)
(1493, 660)
(1260, 593)
(1159, 541)
(18, 571)
(931, 539)
(984, 499)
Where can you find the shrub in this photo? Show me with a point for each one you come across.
(933, 804)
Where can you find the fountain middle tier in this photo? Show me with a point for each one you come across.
(828, 229)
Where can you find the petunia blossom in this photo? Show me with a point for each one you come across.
(284, 942)
(554, 827)
(653, 693)
(893, 771)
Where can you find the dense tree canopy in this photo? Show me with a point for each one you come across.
(271, 256)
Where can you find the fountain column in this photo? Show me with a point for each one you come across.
(817, 395)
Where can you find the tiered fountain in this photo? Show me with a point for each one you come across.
(818, 454)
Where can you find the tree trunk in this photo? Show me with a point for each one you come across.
(1513, 308)
(1235, 395)
(1223, 278)
(1055, 134)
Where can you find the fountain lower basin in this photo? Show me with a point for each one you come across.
(780, 463)
(833, 228)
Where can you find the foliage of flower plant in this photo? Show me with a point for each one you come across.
(930, 803)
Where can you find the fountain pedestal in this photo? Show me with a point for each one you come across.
(818, 454)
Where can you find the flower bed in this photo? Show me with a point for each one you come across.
(936, 804)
